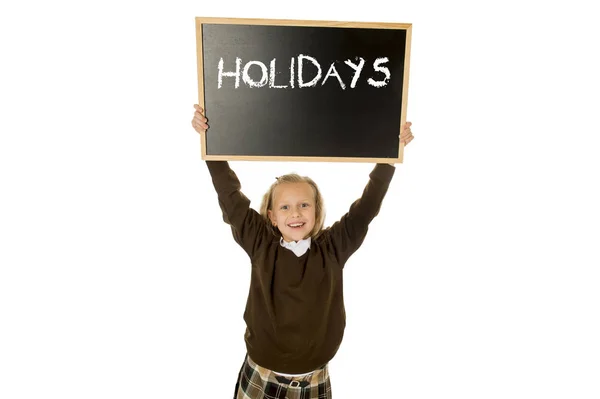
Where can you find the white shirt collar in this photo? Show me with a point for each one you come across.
(299, 248)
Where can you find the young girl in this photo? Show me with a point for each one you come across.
(295, 313)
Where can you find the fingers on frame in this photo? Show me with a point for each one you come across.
(198, 126)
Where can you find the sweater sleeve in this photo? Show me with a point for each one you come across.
(247, 226)
(348, 234)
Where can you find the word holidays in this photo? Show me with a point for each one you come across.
(268, 75)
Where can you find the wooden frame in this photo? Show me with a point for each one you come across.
(288, 22)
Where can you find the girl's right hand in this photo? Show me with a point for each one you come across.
(199, 123)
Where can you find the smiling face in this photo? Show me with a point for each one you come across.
(293, 211)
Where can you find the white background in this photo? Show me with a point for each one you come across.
(479, 278)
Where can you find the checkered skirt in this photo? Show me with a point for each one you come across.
(256, 382)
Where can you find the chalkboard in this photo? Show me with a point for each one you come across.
(302, 90)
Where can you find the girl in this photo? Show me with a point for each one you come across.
(295, 314)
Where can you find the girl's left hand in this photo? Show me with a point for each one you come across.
(406, 136)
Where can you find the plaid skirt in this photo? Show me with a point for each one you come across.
(256, 382)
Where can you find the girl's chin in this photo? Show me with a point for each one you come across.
(290, 239)
(295, 236)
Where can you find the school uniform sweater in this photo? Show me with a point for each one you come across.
(295, 315)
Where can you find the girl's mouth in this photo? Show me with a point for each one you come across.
(296, 225)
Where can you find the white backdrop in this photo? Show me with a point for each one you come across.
(479, 278)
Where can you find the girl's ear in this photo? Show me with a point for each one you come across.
(271, 216)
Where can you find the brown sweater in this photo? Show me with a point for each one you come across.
(295, 313)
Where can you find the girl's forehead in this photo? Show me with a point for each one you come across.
(292, 190)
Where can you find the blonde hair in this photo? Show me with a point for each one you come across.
(267, 203)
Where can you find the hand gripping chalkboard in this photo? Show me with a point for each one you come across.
(286, 90)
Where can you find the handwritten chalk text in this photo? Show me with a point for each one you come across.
(297, 72)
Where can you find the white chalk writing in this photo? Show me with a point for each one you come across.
(297, 72)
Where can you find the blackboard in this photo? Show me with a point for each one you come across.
(302, 90)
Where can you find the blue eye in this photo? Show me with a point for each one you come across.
(284, 207)
(305, 205)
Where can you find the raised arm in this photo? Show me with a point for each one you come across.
(348, 234)
(247, 226)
